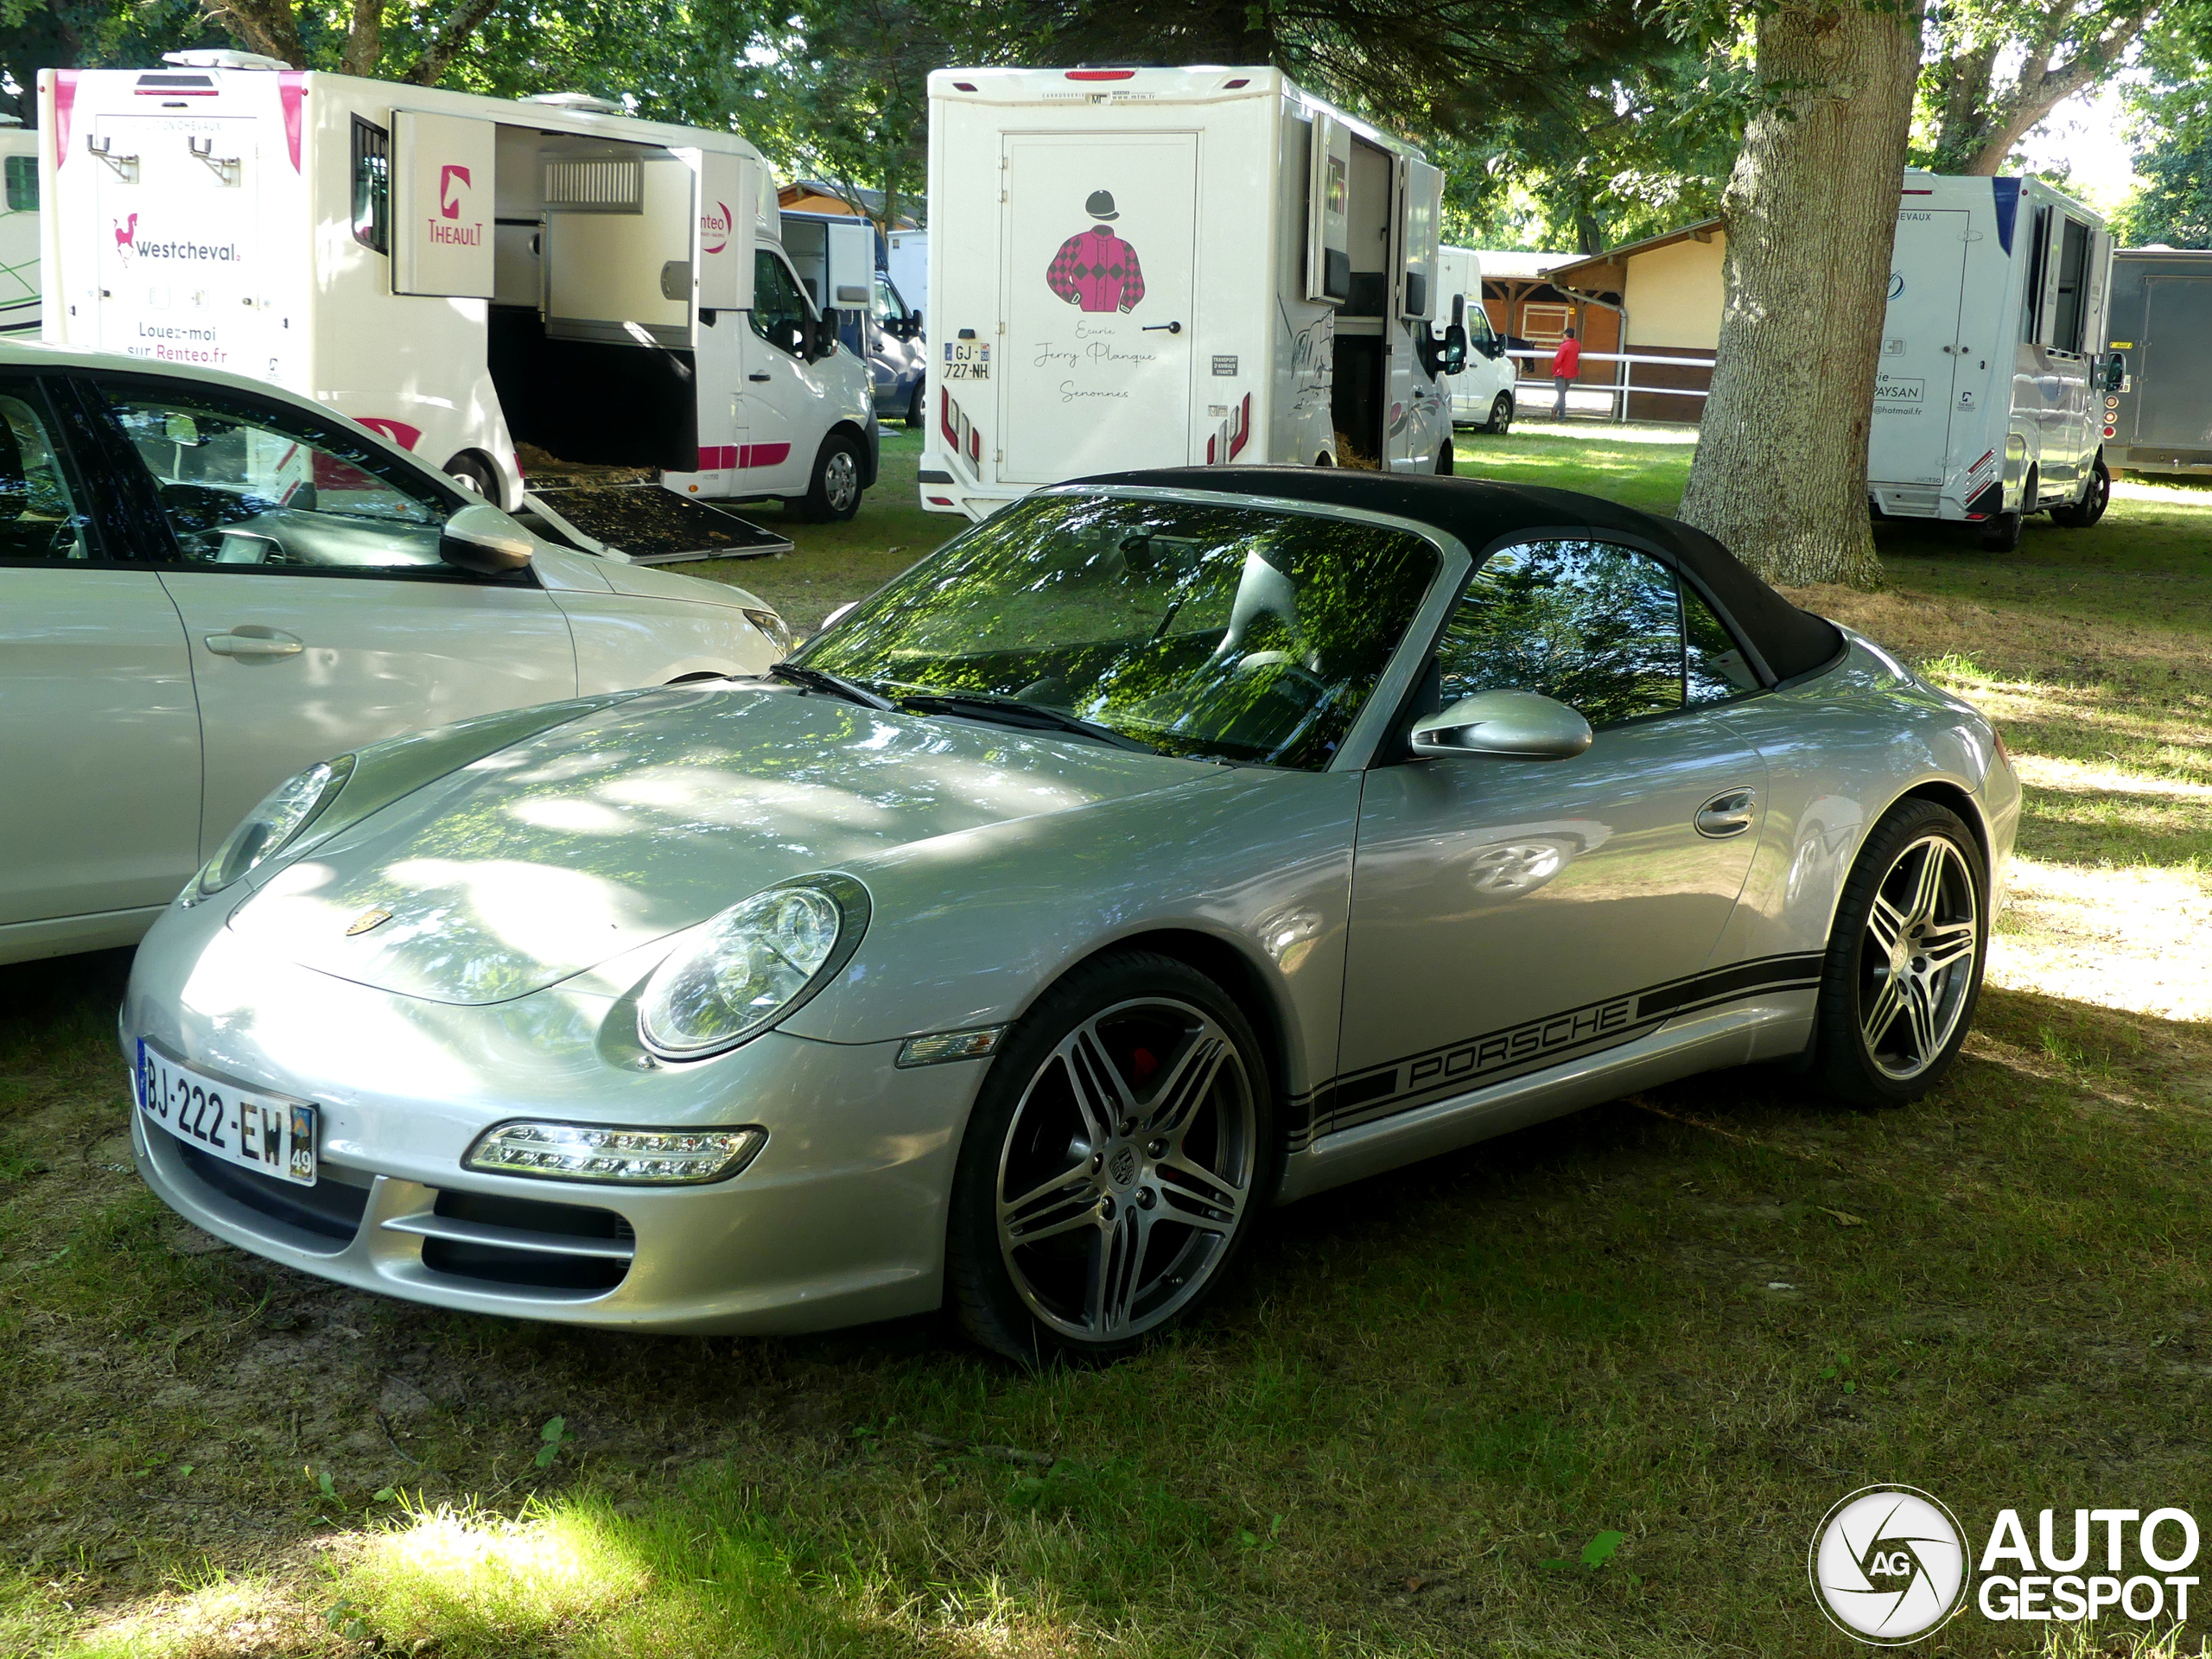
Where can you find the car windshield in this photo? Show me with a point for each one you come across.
(1213, 631)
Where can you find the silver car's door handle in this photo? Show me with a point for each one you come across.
(1729, 813)
(270, 644)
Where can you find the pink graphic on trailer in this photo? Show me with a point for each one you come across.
(1094, 269)
(448, 201)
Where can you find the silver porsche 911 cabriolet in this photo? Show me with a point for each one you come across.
(1168, 846)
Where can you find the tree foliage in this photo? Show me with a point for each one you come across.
(1991, 69)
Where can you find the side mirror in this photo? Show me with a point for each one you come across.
(825, 333)
(1455, 349)
(482, 539)
(1512, 725)
(2115, 374)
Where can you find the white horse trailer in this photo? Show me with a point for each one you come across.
(19, 234)
(1133, 268)
(907, 256)
(460, 273)
(1482, 392)
(1986, 402)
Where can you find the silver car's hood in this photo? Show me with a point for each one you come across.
(549, 858)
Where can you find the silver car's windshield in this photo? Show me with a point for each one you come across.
(1230, 632)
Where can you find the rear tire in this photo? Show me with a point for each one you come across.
(1116, 1163)
(2002, 533)
(1444, 463)
(1904, 962)
(834, 494)
(475, 475)
(1501, 413)
(915, 412)
(2080, 515)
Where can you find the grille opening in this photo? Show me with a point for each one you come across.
(497, 1264)
(531, 1215)
(328, 1209)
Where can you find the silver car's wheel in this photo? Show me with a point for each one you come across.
(1923, 932)
(1904, 961)
(1113, 1165)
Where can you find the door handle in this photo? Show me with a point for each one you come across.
(1728, 814)
(266, 643)
(756, 377)
(1155, 327)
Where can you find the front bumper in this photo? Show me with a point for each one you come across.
(838, 1220)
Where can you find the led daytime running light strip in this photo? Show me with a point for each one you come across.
(575, 1152)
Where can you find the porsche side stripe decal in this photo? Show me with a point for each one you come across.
(1453, 1068)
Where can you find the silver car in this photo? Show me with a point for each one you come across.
(1166, 846)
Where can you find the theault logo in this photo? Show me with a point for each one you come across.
(449, 198)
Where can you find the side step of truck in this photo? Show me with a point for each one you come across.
(644, 523)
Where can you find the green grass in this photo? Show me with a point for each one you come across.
(1694, 1320)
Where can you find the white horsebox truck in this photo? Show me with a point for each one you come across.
(460, 273)
(19, 232)
(1987, 401)
(1133, 268)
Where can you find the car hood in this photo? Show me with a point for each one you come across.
(544, 860)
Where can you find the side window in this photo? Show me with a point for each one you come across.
(371, 186)
(22, 184)
(1714, 668)
(780, 310)
(2066, 317)
(889, 308)
(1596, 626)
(39, 516)
(247, 484)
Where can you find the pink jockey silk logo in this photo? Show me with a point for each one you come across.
(448, 201)
(398, 431)
(716, 223)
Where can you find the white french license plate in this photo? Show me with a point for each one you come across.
(244, 1127)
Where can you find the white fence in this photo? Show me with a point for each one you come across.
(1623, 380)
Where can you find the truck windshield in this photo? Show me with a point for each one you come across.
(1217, 631)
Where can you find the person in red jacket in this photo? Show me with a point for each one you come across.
(1566, 363)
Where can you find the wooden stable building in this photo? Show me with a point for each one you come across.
(1665, 294)
(1526, 306)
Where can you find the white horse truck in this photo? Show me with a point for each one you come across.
(460, 273)
(19, 234)
(1483, 391)
(1172, 267)
(1987, 401)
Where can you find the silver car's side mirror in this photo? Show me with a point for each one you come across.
(1512, 725)
(481, 539)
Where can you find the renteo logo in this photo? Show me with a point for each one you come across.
(715, 228)
(1889, 1565)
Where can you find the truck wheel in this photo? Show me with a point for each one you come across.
(2001, 534)
(914, 413)
(2080, 515)
(834, 495)
(474, 473)
(1445, 464)
(1501, 413)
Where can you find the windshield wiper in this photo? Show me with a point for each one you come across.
(821, 679)
(1012, 711)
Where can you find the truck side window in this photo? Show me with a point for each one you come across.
(2066, 308)
(22, 184)
(371, 186)
(889, 308)
(780, 310)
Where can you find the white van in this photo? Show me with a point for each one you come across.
(1482, 392)
(19, 237)
(460, 273)
(1986, 401)
(906, 254)
(1135, 267)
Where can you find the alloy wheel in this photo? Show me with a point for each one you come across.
(841, 481)
(1126, 1169)
(1918, 959)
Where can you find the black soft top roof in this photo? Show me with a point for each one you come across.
(1481, 512)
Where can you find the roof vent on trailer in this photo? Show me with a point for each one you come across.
(222, 58)
(585, 102)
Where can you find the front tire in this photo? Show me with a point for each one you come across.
(1444, 463)
(1904, 962)
(834, 493)
(1114, 1166)
(915, 412)
(476, 474)
(1501, 413)
(2080, 515)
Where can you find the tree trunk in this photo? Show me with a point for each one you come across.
(1780, 476)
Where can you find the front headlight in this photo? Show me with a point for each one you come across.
(284, 813)
(586, 1152)
(778, 631)
(750, 966)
